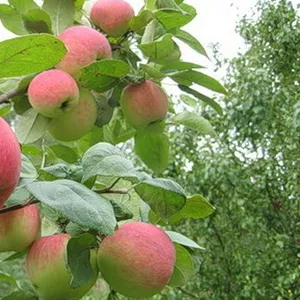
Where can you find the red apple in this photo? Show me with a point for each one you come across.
(138, 260)
(10, 161)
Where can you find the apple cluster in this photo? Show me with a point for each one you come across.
(138, 260)
(56, 94)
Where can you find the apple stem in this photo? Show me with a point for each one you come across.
(19, 206)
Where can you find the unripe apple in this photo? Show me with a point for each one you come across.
(85, 45)
(10, 161)
(138, 260)
(47, 269)
(76, 123)
(112, 16)
(144, 103)
(19, 228)
(53, 93)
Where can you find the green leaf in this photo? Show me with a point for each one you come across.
(20, 295)
(196, 207)
(189, 77)
(118, 130)
(165, 197)
(28, 169)
(191, 41)
(61, 12)
(77, 203)
(152, 71)
(37, 21)
(23, 6)
(121, 210)
(195, 122)
(202, 97)
(65, 153)
(167, 4)
(8, 279)
(171, 18)
(106, 160)
(21, 104)
(188, 100)
(12, 20)
(184, 268)
(141, 20)
(29, 54)
(109, 67)
(105, 111)
(153, 149)
(31, 126)
(150, 4)
(179, 66)
(158, 49)
(98, 83)
(183, 240)
(149, 32)
(4, 109)
(78, 259)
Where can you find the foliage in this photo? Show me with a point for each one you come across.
(88, 187)
(251, 173)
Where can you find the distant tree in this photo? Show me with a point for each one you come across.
(251, 173)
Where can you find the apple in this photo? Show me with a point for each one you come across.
(144, 103)
(53, 93)
(19, 228)
(10, 161)
(112, 16)
(48, 272)
(85, 45)
(74, 124)
(138, 260)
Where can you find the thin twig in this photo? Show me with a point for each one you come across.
(120, 191)
(10, 94)
(102, 191)
(18, 206)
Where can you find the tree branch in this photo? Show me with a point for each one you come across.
(19, 206)
(102, 191)
(10, 94)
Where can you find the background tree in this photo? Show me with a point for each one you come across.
(251, 173)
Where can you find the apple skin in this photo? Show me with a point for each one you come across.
(19, 228)
(47, 270)
(112, 16)
(138, 260)
(144, 103)
(53, 92)
(85, 45)
(74, 124)
(10, 161)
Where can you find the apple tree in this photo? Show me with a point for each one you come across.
(75, 208)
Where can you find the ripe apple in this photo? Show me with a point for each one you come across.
(10, 161)
(47, 269)
(144, 103)
(138, 260)
(19, 228)
(76, 123)
(85, 45)
(112, 16)
(53, 93)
